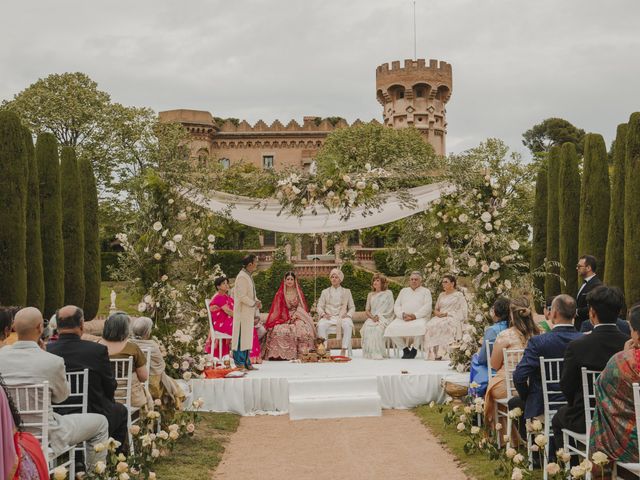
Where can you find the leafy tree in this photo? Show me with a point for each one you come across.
(539, 227)
(552, 131)
(552, 281)
(614, 258)
(220, 120)
(632, 211)
(13, 211)
(594, 199)
(72, 228)
(91, 240)
(50, 222)
(569, 215)
(35, 274)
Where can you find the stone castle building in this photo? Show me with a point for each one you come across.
(414, 94)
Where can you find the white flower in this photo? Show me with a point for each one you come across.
(553, 468)
(516, 474)
(170, 245)
(164, 278)
(475, 430)
(507, 284)
(484, 268)
(468, 410)
(438, 235)
(511, 452)
(346, 179)
(185, 365)
(534, 448)
(174, 435)
(175, 365)
(182, 216)
(361, 185)
(411, 250)
(100, 467)
(460, 427)
(123, 476)
(191, 428)
(577, 472)
(432, 404)
(177, 238)
(515, 413)
(586, 465)
(122, 467)
(186, 375)
(494, 265)
(174, 427)
(488, 227)
(211, 237)
(485, 217)
(59, 473)
(157, 256)
(170, 201)
(157, 226)
(563, 455)
(472, 262)
(463, 218)
(463, 418)
(514, 245)
(155, 453)
(163, 435)
(498, 426)
(541, 440)
(135, 430)
(518, 459)
(375, 186)
(536, 426)
(164, 234)
(152, 476)
(99, 447)
(600, 458)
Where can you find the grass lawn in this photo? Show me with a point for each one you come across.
(195, 458)
(476, 465)
(126, 298)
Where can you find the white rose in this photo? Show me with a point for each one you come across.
(534, 448)
(463, 418)
(182, 216)
(485, 217)
(164, 234)
(577, 472)
(135, 429)
(475, 430)
(472, 262)
(123, 476)
(563, 455)
(186, 375)
(152, 476)
(100, 467)
(498, 426)
(541, 440)
(163, 435)
(553, 468)
(460, 427)
(177, 238)
(375, 186)
(484, 268)
(346, 179)
(155, 453)
(536, 426)
(361, 185)
(122, 467)
(170, 201)
(164, 278)
(516, 474)
(600, 458)
(191, 428)
(518, 459)
(514, 245)
(494, 265)
(142, 307)
(99, 447)
(488, 227)
(586, 465)
(411, 250)
(157, 226)
(510, 452)
(515, 413)
(463, 218)
(185, 365)
(174, 435)
(507, 284)
(59, 473)
(157, 256)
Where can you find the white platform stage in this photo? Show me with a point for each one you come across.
(314, 387)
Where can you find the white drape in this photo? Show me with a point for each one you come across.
(244, 210)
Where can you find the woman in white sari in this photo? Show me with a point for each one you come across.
(445, 327)
(379, 311)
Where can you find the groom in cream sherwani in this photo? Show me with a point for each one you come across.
(335, 310)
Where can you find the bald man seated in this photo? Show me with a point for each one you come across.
(25, 363)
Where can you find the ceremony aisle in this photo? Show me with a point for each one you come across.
(395, 445)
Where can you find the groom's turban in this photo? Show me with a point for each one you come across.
(337, 272)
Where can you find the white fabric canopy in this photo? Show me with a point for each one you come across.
(244, 210)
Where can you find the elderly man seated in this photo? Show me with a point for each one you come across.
(335, 310)
(412, 310)
(25, 362)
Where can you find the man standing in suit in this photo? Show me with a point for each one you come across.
(26, 363)
(79, 354)
(526, 377)
(586, 268)
(245, 308)
(592, 351)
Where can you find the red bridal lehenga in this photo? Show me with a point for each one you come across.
(290, 329)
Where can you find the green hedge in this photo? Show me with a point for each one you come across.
(384, 265)
(108, 260)
(229, 260)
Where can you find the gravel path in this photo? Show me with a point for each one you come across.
(395, 445)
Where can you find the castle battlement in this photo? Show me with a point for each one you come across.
(414, 66)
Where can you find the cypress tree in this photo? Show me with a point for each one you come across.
(91, 240)
(552, 281)
(594, 199)
(569, 216)
(539, 226)
(13, 211)
(632, 211)
(614, 258)
(50, 222)
(35, 275)
(72, 228)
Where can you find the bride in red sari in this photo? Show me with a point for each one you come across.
(290, 329)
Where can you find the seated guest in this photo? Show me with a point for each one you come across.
(6, 322)
(550, 345)
(621, 323)
(516, 337)
(335, 310)
(614, 420)
(592, 351)
(161, 385)
(379, 311)
(115, 336)
(412, 309)
(21, 456)
(290, 329)
(79, 354)
(445, 327)
(26, 363)
(221, 308)
(545, 325)
(479, 368)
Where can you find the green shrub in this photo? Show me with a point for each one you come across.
(569, 216)
(539, 226)
(230, 261)
(632, 211)
(382, 259)
(614, 259)
(92, 271)
(108, 261)
(552, 281)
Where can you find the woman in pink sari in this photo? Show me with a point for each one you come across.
(221, 307)
(290, 329)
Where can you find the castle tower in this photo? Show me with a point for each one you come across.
(416, 95)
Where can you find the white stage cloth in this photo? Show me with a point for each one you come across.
(267, 216)
(266, 391)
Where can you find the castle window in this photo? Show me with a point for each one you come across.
(401, 94)
(269, 239)
(419, 92)
(267, 161)
(225, 162)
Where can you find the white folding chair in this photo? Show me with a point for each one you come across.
(550, 372)
(589, 378)
(632, 467)
(215, 335)
(78, 400)
(511, 359)
(33, 402)
(147, 354)
(123, 373)
(489, 350)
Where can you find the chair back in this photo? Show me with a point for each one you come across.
(147, 354)
(550, 372)
(589, 378)
(123, 373)
(511, 360)
(207, 304)
(489, 350)
(32, 402)
(78, 400)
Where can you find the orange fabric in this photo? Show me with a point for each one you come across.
(30, 445)
(218, 372)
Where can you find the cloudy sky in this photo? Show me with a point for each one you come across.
(515, 62)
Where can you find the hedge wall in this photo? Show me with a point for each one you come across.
(381, 259)
(229, 260)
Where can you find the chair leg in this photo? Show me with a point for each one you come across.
(508, 433)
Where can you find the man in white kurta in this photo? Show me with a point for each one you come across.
(245, 307)
(412, 311)
(335, 310)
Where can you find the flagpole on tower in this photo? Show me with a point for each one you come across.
(415, 56)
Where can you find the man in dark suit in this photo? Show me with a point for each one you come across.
(79, 354)
(592, 351)
(526, 377)
(586, 268)
(621, 323)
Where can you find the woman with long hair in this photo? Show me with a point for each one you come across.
(379, 311)
(522, 328)
(290, 329)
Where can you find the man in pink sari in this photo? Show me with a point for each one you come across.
(290, 329)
